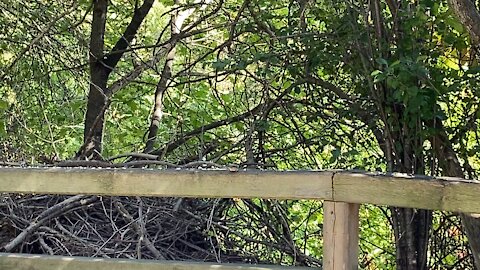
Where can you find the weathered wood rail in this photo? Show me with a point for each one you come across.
(342, 191)
(40, 262)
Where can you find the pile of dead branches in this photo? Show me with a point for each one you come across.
(221, 230)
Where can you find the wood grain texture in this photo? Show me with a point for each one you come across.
(340, 236)
(449, 194)
(43, 262)
(168, 183)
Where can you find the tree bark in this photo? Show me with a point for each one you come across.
(161, 88)
(101, 65)
(94, 118)
(411, 228)
(468, 15)
(176, 24)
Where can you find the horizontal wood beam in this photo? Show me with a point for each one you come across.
(43, 262)
(450, 194)
(168, 183)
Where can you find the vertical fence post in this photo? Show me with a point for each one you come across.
(340, 236)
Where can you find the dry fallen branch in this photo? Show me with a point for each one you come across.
(137, 226)
(150, 228)
(50, 213)
(136, 163)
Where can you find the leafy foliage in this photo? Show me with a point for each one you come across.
(291, 85)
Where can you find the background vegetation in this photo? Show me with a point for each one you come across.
(381, 85)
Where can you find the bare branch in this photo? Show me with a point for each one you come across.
(58, 209)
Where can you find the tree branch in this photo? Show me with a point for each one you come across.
(130, 32)
(178, 142)
(54, 211)
(98, 31)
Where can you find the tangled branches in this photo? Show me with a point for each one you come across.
(221, 230)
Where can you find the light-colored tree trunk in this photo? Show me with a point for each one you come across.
(176, 24)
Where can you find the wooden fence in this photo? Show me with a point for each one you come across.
(342, 191)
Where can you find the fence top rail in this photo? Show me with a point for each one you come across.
(9, 261)
(451, 194)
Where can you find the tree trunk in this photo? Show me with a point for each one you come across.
(176, 24)
(471, 224)
(411, 228)
(101, 65)
(94, 118)
(468, 15)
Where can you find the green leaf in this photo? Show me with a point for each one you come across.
(382, 61)
(376, 72)
(422, 58)
(456, 25)
(3, 132)
(3, 105)
(396, 63)
(221, 64)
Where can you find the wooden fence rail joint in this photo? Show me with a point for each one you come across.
(342, 190)
(449, 194)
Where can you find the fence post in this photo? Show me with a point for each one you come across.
(340, 236)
